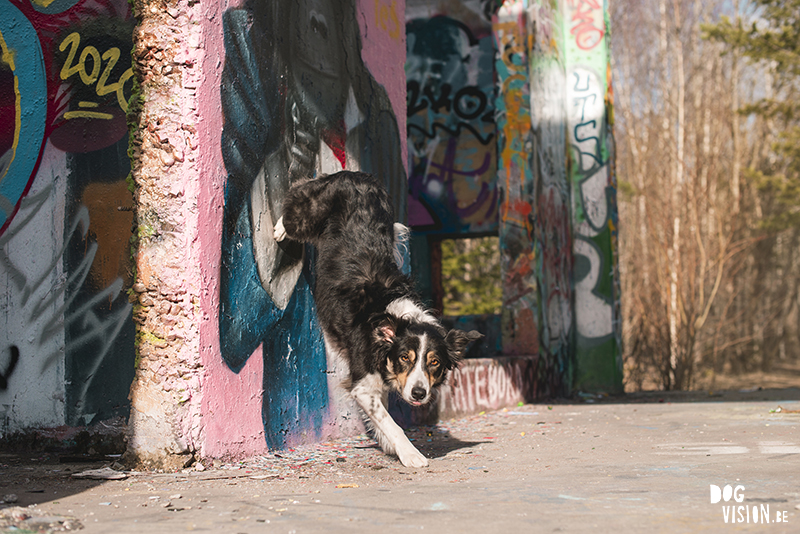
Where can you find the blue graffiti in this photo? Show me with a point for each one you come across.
(25, 70)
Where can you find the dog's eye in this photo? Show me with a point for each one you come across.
(434, 362)
(407, 356)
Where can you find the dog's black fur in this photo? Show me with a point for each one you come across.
(366, 306)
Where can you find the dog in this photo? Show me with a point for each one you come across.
(367, 309)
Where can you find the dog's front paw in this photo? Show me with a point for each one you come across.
(279, 232)
(411, 457)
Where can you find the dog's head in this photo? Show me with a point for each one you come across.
(419, 356)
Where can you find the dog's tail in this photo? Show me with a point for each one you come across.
(401, 235)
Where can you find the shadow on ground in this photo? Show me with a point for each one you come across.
(27, 479)
(442, 446)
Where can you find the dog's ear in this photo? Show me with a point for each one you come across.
(457, 340)
(385, 331)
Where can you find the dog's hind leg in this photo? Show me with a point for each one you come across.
(307, 207)
(368, 394)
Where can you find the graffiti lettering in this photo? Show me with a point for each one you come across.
(467, 104)
(586, 109)
(451, 128)
(476, 386)
(588, 26)
(89, 77)
(450, 175)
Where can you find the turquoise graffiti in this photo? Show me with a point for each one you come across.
(23, 108)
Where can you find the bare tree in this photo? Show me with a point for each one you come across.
(703, 292)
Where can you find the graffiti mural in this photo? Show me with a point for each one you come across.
(451, 127)
(298, 101)
(552, 224)
(598, 354)
(65, 208)
(490, 385)
(515, 179)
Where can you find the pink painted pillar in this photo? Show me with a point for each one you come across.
(186, 402)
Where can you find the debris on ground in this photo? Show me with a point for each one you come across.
(32, 519)
(781, 409)
(104, 473)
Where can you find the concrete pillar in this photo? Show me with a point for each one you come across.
(552, 219)
(589, 101)
(515, 180)
(165, 421)
(558, 214)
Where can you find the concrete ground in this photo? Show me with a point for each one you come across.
(640, 463)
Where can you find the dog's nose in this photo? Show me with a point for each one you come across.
(418, 393)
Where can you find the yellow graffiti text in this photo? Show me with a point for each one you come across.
(90, 73)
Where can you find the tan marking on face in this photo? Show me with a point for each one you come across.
(433, 364)
(408, 360)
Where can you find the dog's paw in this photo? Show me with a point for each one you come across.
(279, 232)
(411, 457)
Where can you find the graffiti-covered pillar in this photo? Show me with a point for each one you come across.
(558, 209)
(552, 222)
(515, 180)
(593, 188)
(164, 425)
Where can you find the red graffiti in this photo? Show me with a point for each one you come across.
(489, 385)
(336, 139)
(584, 13)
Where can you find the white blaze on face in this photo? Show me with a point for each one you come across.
(417, 377)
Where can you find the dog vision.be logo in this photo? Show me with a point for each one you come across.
(742, 513)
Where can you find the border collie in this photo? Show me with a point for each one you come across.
(367, 309)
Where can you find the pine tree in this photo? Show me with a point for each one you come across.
(773, 42)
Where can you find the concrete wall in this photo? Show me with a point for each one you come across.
(67, 345)
(552, 215)
(515, 180)
(556, 53)
(232, 361)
